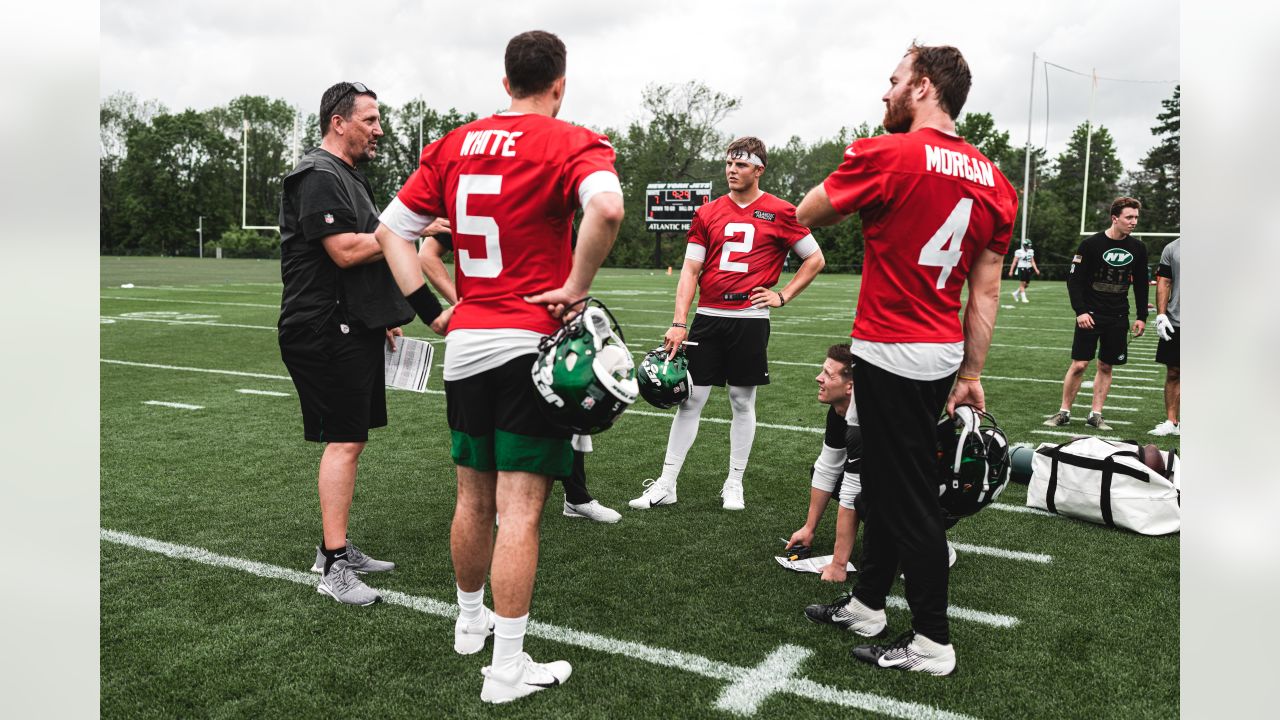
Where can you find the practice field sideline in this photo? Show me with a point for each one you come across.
(208, 502)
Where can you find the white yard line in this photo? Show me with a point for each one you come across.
(748, 688)
(1060, 433)
(1110, 422)
(270, 393)
(1059, 382)
(211, 371)
(175, 405)
(1108, 408)
(1002, 553)
(273, 306)
(190, 322)
(723, 421)
(1024, 510)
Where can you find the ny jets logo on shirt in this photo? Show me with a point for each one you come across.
(328, 218)
(1117, 257)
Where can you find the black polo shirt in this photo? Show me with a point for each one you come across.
(325, 196)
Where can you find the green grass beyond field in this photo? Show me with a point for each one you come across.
(210, 520)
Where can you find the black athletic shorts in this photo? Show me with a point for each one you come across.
(732, 350)
(1168, 352)
(1024, 274)
(340, 378)
(498, 423)
(1111, 332)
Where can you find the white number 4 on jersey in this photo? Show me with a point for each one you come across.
(943, 249)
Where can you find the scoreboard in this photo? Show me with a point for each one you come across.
(670, 206)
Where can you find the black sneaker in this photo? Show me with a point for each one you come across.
(849, 613)
(1058, 419)
(911, 652)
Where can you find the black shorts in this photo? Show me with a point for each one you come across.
(498, 424)
(1024, 274)
(340, 378)
(1110, 332)
(1168, 352)
(733, 350)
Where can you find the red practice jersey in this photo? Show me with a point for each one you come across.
(930, 203)
(745, 246)
(509, 186)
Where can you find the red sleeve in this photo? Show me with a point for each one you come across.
(697, 229)
(791, 231)
(422, 192)
(593, 154)
(1002, 236)
(859, 182)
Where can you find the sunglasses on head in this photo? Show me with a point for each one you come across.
(358, 88)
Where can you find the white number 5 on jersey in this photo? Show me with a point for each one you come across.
(489, 266)
(943, 249)
(748, 232)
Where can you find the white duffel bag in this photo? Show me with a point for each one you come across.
(1104, 482)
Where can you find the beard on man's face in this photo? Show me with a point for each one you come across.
(898, 115)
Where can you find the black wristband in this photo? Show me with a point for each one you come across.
(679, 325)
(425, 304)
(782, 299)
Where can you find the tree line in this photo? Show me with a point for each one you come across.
(164, 173)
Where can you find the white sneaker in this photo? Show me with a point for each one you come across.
(655, 493)
(1024, 298)
(591, 511)
(1015, 295)
(529, 677)
(1168, 427)
(469, 637)
(732, 494)
(911, 651)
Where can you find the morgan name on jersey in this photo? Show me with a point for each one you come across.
(958, 164)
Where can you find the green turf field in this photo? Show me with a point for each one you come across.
(210, 521)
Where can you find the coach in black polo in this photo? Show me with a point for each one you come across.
(339, 305)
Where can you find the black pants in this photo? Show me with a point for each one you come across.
(904, 525)
(575, 485)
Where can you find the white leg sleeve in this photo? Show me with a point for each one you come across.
(742, 430)
(684, 429)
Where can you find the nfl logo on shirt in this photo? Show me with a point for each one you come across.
(328, 218)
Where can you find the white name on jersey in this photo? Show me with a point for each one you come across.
(956, 164)
(490, 142)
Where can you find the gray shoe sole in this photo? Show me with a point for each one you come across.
(326, 591)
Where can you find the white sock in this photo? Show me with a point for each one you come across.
(1066, 410)
(470, 604)
(742, 429)
(508, 641)
(684, 429)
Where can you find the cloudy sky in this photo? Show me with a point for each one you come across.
(803, 67)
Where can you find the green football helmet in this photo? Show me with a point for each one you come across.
(973, 462)
(584, 372)
(664, 383)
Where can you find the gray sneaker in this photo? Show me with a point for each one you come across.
(1095, 421)
(358, 561)
(341, 584)
(1058, 419)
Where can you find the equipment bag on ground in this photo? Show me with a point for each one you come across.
(1106, 482)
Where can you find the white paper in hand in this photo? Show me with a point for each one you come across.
(810, 564)
(408, 367)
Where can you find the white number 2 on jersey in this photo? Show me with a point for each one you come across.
(748, 232)
(490, 265)
(943, 249)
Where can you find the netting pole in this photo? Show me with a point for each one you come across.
(244, 172)
(1088, 146)
(1026, 172)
